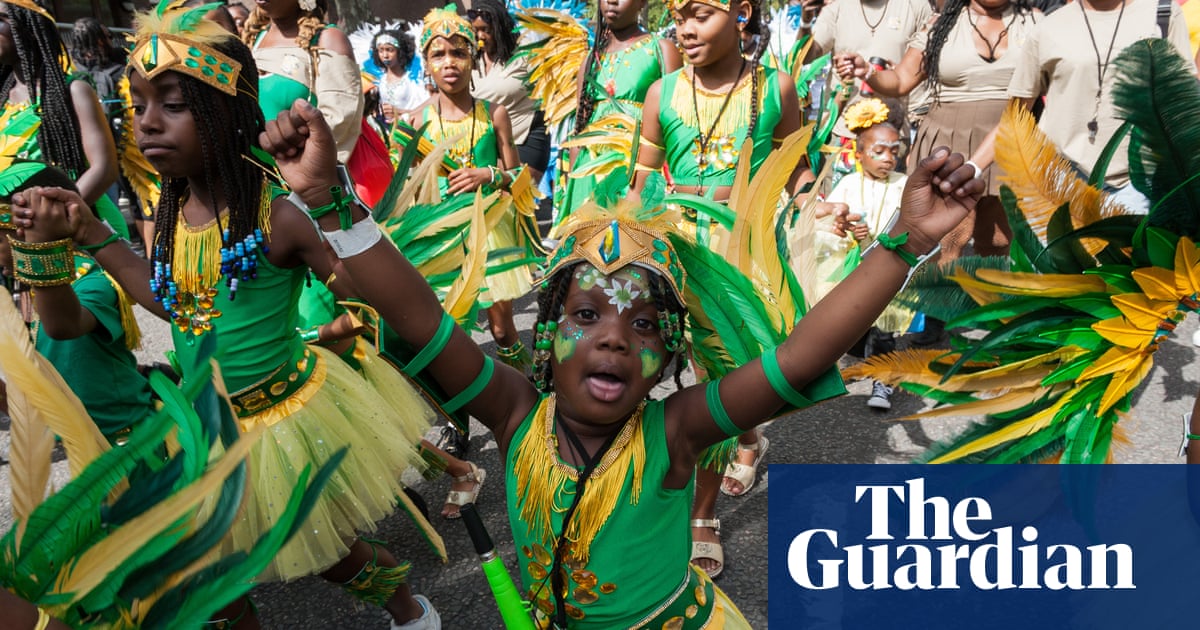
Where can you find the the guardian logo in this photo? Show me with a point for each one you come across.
(948, 546)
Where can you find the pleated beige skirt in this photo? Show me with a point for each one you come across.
(962, 127)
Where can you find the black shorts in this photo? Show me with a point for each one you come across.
(535, 151)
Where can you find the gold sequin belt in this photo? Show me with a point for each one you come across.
(689, 608)
(282, 392)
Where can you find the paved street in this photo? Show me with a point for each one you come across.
(840, 431)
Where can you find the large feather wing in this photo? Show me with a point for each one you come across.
(554, 60)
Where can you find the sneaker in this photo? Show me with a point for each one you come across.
(880, 396)
(430, 620)
(1196, 338)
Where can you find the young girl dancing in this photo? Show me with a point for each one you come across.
(599, 478)
(487, 158)
(623, 63)
(229, 258)
(695, 123)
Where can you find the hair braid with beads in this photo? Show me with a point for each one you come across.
(309, 26)
(227, 127)
(39, 55)
(587, 101)
(754, 26)
(940, 32)
(553, 295)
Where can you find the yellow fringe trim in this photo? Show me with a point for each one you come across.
(196, 265)
(133, 332)
(736, 117)
(541, 476)
(466, 133)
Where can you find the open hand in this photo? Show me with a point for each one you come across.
(467, 180)
(304, 150)
(938, 196)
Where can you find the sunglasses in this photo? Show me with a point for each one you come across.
(472, 14)
(895, 148)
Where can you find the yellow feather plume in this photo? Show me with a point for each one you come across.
(1043, 180)
(1028, 426)
(462, 294)
(554, 61)
(28, 373)
(31, 443)
(1019, 283)
(1014, 399)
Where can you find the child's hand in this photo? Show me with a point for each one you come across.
(940, 193)
(300, 141)
(844, 220)
(861, 232)
(467, 180)
(50, 214)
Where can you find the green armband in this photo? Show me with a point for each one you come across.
(310, 335)
(467, 395)
(433, 348)
(779, 382)
(712, 396)
(340, 204)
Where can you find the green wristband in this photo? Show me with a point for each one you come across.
(1192, 436)
(340, 204)
(433, 348)
(893, 244)
(712, 397)
(311, 334)
(112, 238)
(467, 395)
(779, 382)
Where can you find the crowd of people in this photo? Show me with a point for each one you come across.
(222, 135)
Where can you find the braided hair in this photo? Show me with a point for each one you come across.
(553, 296)
(758, 30)
(227, 128)
(406, 48)
(504, 28)
(586, 102)
(310, 24)
(40, 57)
(940, 32)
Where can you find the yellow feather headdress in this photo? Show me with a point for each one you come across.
(446, 23)
(626, 234)
(173, 38)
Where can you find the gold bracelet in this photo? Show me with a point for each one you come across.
(49, 264)
(6, 217)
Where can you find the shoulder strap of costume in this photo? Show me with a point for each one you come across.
(1164, 17)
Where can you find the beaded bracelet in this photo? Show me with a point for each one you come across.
(340, 204)
(49, 264)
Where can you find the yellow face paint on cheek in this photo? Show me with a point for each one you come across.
(651, 362)
(565, 340)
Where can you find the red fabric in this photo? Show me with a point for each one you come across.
(370, 165)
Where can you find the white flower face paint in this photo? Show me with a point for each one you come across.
(622, 296)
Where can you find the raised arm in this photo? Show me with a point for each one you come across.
(894, 82)
(303, 147)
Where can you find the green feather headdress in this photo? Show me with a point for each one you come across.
(172, 38)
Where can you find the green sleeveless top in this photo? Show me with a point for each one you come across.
(639, 556)
(477, 146)
(686, 112)
(256, 333)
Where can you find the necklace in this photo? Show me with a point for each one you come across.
(999, 38)
(882, 14)
(862, 195)
(705, 139)
(462, 156)
(1093, 125)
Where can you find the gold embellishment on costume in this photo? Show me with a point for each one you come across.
(678, 5)
(612, 239)
(176, 39)
(466, 130)
(6, 218)
(257, 405)
(731, 125)
(446, 23)
(30, 5)
(541, 478)
(690, 599)
(864, 114)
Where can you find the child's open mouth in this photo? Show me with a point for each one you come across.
(604, 386)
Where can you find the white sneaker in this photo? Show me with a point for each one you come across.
(1196, 338)
(430, 620)
(880, 396)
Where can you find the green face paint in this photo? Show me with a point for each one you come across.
(587, 276)
(651, 362)
(565, 340)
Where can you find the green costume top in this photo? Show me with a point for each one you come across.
(256, 333)
(20, 124)
(477, 146)
(98, 366)
(688, 111)
(630, 541)
(619, 85)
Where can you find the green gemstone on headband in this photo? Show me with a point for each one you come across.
(223, 79)
(659, 258)
(211, 60)
(225, 67)
(206, 71)
(660, 246)
(191, 63)
(195, 52)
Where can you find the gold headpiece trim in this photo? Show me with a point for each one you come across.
(176, 39)
(678, 5)
(446, 23)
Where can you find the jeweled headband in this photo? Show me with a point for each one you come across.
(612, 239)
(446, 23)
(386, 39)
(678, 5)
(172, 38)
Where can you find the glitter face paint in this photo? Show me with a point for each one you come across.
(651, 362)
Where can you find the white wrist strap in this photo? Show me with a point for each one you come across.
(358, 239)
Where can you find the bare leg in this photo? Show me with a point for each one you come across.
(401, 605)
(704, 506)
(745, 454)
(500, 321)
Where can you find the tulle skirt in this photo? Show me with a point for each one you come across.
(379, 419)
(513, 283)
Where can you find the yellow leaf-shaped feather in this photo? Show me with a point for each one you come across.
(1114, 360)
(1157, 283)
(999, 404)
(1119, 331)
(465, 291)
(1123, 382)
(1143, 312)
(1020, 429)
(31, 443)
(1187, 267)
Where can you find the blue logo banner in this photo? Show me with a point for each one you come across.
(1049, 546)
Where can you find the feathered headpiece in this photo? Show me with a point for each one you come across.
(31, 5)
(677, 5)
(178, 39)
(611, 234)
(865, 114)
(446, 23)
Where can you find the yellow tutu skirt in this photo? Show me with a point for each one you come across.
(514, 283)
(380, 427)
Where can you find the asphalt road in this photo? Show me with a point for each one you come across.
(839, 431)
